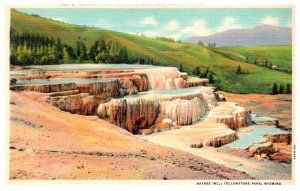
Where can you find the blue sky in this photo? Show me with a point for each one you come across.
(179, 23)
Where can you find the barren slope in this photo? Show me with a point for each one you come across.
(47, 143)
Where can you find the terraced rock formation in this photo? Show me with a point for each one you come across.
(160, 104)
(140, 99)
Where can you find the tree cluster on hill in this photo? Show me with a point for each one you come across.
(212, 45)
(109, 52)
(281, 89)
(200, 43)
(35, 49)
(168, 39)
(32, 48)
(206, 74)
(266, 63)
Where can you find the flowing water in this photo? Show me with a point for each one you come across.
(257, 118)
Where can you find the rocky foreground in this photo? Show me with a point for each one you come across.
(47, 143)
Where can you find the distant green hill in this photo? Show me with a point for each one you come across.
(253, 79)
(280, 55)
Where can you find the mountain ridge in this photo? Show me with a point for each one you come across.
(259, 35)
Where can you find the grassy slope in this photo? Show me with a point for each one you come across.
(255, 80)
(280, 55)
(230, 54)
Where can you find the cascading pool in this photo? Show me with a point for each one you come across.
(255, 136)
(61, 81)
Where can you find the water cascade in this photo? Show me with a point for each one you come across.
(164, 78)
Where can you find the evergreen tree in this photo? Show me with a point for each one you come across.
(288, 89)
(94, 51)
(196, 71)
(205, 74)
(121, 55)
(71, 52)
(102, 45)
(281, 89)
(81, 50)
(101, 57)
(247, 59)
(239, 69)
(58, 48)
(181, 68)
(211, 78)
(66, 57)
(125, 55)
(275, 89)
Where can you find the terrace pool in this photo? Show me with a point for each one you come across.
(61, 81)
(255, 136)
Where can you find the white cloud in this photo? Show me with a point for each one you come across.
(270, 21)
(172, 25)
(149, 21)
(228, 23)
(198, 28)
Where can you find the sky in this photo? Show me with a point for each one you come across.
(178, 23)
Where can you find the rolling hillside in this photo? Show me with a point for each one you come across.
(254, 79)
(280, 55)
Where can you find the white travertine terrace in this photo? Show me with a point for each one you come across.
(182, 106)
(164, 78)
(137, 97)
(183, 112)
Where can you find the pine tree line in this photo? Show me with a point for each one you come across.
(35, 49)
(112, 52)
(281, 89)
